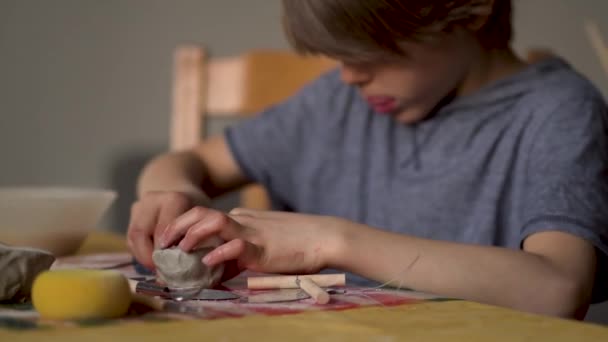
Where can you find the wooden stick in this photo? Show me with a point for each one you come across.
(289, 282)
(597, 43)
(189, 100)
(316, 292)
(275, 296)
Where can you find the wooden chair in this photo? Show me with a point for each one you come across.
(240, 85)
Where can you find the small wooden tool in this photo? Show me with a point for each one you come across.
(289, 282)
(311, 284)
(315, 292)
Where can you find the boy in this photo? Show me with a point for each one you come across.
(433, 159)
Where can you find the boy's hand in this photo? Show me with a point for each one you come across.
(150, 216)
(261, 241)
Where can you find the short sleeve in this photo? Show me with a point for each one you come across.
(268, 146)
(566, 179)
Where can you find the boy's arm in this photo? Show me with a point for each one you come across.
(553, 274)
(173, 183)
(563, 189)
(208, 170)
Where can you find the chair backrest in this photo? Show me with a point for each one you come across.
(240, 85)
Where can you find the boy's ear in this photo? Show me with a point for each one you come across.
(480, 12)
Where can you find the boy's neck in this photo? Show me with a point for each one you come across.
(491, 66)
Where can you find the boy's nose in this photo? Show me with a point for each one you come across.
(355, 76)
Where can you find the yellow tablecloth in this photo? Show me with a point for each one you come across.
(428, 321)
(103, 242)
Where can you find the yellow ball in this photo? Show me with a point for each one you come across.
(81, 294)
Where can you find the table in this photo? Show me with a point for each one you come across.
(424, 321)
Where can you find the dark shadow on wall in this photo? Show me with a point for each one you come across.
(123, 178)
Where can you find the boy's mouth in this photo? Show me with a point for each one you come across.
(382, 104)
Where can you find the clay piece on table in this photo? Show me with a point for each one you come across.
(19, 267)
(178, 269)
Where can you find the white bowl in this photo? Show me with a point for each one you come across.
(56, 219)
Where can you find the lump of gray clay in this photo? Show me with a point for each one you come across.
(19, 267)
(178, 269)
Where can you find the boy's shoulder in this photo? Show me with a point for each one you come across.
(327, 83)
(555, 99)
(322, 93)
(554, 83)
(563, 109)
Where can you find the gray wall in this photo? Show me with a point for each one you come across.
(85, 84)
(558, 25)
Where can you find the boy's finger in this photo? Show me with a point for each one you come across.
(180, 226)
(213, 224)
(168, 214)
(143, 219)
(141, 247)
(247, 220)
(246, 211)
(140, 232)
(259, 214)
(247, 253)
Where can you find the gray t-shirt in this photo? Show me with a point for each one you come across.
(525, 154)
